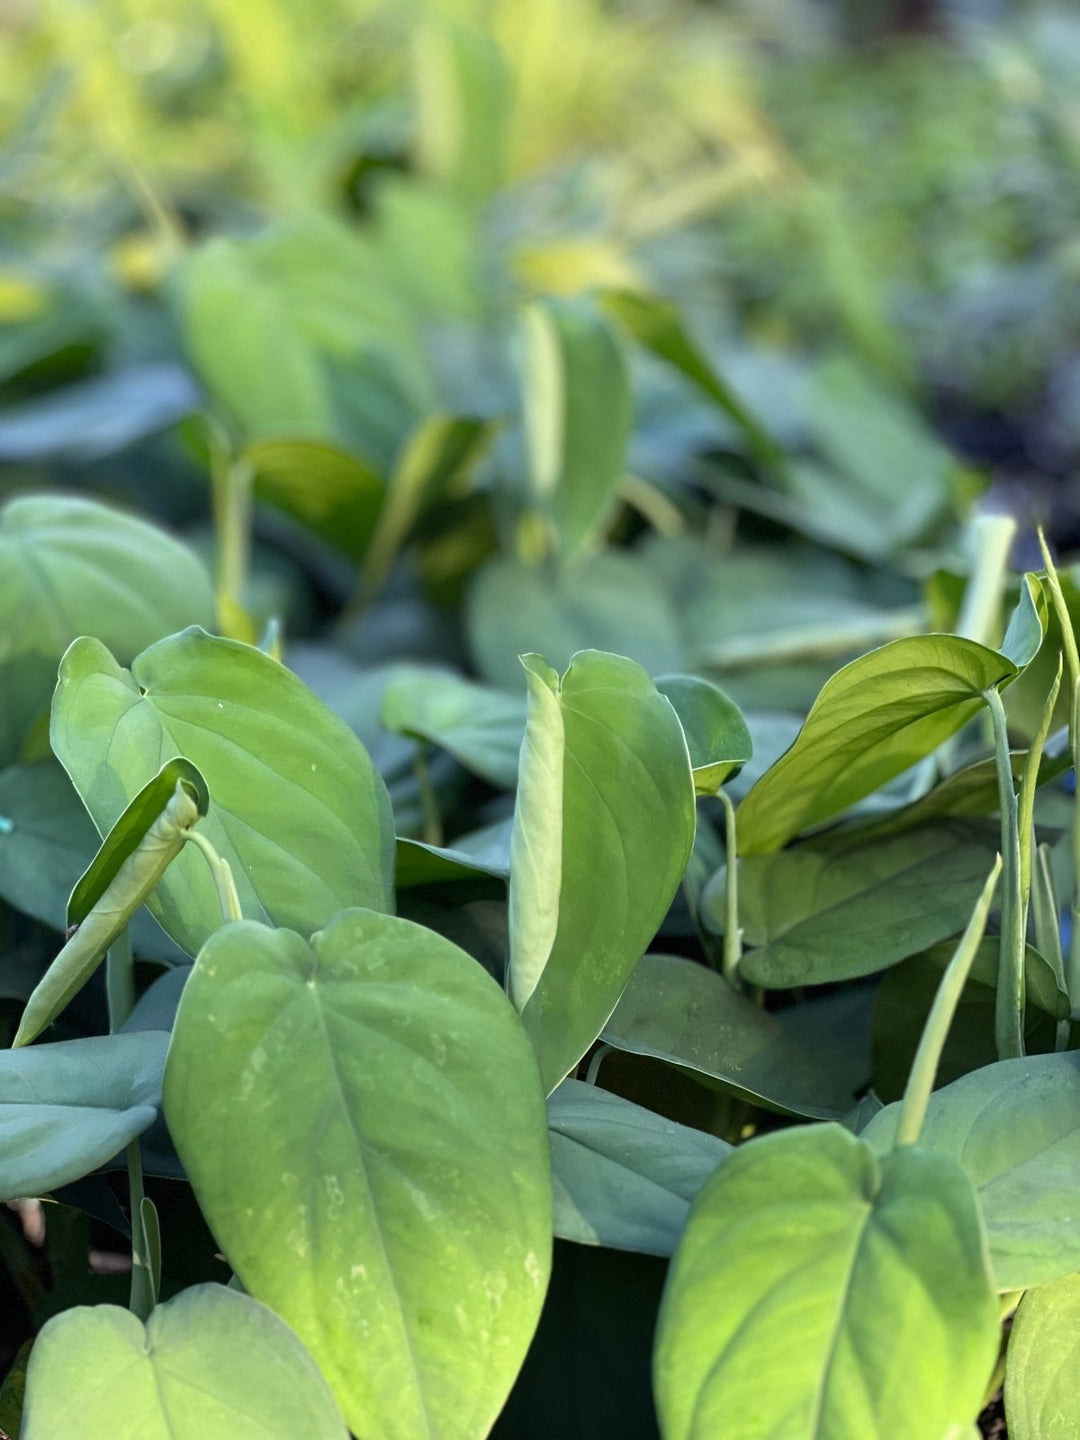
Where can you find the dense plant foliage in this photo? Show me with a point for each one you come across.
(537, 825)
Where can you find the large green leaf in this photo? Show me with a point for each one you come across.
(362, 1120)
(819, 1291)
(1042, 1373)
(607, 604)
(67, 1108)
(687, 1015)
(844, 907)
(1015, 1128)
(297, 809)
(624, 1177)
(71, 567)
(334, 494)
(873, 719)
(603, 829)
(577, 416)
(481, 727)
(716, 733)
(211, 1364)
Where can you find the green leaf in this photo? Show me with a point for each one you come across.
(481, 727)
(130, 830)
(465, 99)
(69, 567)
(907, 993)
(248, 348)
(608, 603)
(67, 1108)
(363, 1124)
(439, 456)
(842, 907)
(873, 720)
(47, 840)
(819, 1291)
(334, 494)
(422, 864)
(1015, 1128)
(12, 1391)
(603, 828)
(624, 1177)
(133, 882)
(211, 1364)
(808, 1060)
(297, 809)
(716, 733)
(577, 417)
(658, 326)
(1042, 1382)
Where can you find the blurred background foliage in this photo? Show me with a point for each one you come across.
(230, 226)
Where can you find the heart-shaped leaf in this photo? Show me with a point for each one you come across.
(603, 829)
(70, 567)
(297, 809)
(1042, 1389)
(67, 1108)
(624, 1177)
(716, 733)
(874, 719)
(211, 1364)
(1015, 1128)
(843, 907)
(362, 1121)
(807, 1060)
(882, 1264)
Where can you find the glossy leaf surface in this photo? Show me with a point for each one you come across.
(362, 1121)
(69, 567)
(67, 1108)
(809, 1060)
(838, 909)
(624, 1177)
(874, 719)
(716, 733)
(603, 829)
(1042, 1373)
(882, 1263)
(297, 809)
(1014, 1126)
(211, 1364)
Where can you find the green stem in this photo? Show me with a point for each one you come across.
(223, 878)
(119, 981)
(928, 1056)
(1044, 907)
(233, 483)
(1009, 1007)
(142, 1277)
(1064, 619)
(1072, 974)
(429, 801)
(732, 932)
(1029, 784)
